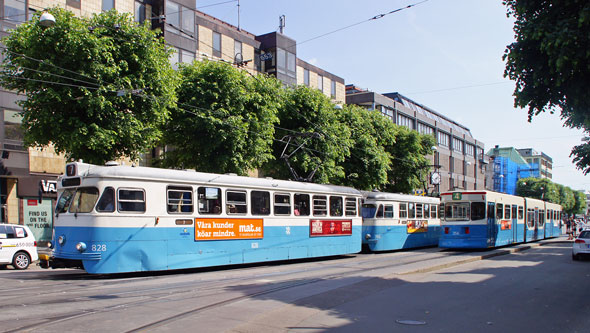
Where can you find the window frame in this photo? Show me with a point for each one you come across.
(241, 207)
(124, 200)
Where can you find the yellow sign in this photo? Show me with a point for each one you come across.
(224, 228)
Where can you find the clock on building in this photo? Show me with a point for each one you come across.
(435, 178)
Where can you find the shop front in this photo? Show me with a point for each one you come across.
(37, 195)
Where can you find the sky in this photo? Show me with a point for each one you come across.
(444, 54)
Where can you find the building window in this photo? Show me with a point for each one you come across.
(306, 77)
(238, 50)
(216, 44)
(186, 57)
(425, 129)
(188, 20)
(71, 3)
(321, 83)
(108, 5)
(333, 89)
(139, 12)
(174, 57)
(469, 150)
(291, 65)
(281, 61)
(405, 121)
(172, 16)
(443, 139)
(457, 145)
(12, 125)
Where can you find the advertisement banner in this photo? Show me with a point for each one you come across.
(39, 218)
(228, 228)
(417, 226)
(330, 228)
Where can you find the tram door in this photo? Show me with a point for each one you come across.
(514, 224)
(491, 224)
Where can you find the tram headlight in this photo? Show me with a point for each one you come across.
(81, 247)
(50, 245)
(367, 236)
(61, 240)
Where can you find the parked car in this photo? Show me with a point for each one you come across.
(18, 246)
(581, 245)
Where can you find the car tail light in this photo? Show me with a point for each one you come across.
(35, 243)
(466, 230)
(446, 230)
(580, 241)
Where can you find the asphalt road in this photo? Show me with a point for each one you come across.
(526, 288)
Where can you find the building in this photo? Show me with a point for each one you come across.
(458, 160)
(508, 166)
(541, 159)
(27, 173)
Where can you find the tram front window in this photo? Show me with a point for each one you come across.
(84, 200)
(64, 201)
(369, 211)
(457, 211)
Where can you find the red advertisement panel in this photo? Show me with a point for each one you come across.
(330, 228)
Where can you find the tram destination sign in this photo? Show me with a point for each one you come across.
(457, 196)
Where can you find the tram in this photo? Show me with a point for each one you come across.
(486, 219)
(394, 221)
(115, 219)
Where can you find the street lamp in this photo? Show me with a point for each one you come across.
(47, 20)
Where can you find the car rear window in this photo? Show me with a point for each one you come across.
(584, 234)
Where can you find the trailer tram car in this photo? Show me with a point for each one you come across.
(114, 219)
(485, 219)
(394, 221)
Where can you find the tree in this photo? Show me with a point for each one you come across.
(550, 63)
(410, 167)
(97, 89)
(368, 163)
(308, 119)
(580, 202)
(225, 119)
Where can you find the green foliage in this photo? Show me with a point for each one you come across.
(70, 75)
(550, 62)
(368, 163)
(225, 119)
(308, 111)
(410, 167)
(573, 202)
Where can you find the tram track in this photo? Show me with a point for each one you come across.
(214, 286)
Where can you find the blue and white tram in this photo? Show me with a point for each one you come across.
(113, 219)
(394, 221)
(485, 219)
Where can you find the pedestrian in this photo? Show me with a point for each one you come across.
(568, 226)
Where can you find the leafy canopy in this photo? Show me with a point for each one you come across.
(224, 121)
(97, 88)
(550, 62)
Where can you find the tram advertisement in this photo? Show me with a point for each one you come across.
(223, 228)
(330, 228)
(417, 226)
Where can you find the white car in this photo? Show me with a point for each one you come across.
(18, 246)
(581, 245)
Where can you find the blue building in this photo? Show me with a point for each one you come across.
(507, 167)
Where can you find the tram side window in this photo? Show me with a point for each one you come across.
(380, 212)
(426, 211)
(419, 211)
(106, 203)
(235, 202)
(403, 210)
(301, 202)
(131, 200)
(441, 211)
(350, 206)
(209, 200)
(180, 199)
(541, 218)
(530, 218)
(335, 206)
(320, 205)
(478, 211)
(514, 212)
(520, 212)
(260, 202)
(499, 211)
(369, 210)
(63, 204)
(282, 204)
(84, 200)
(388, 214)
(507, 212)
(433, 211)
(411, 210)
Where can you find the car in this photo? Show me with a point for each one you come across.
(581, 245)
(18, 246)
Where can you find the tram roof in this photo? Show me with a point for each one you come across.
(399, 197)
(187, 176)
